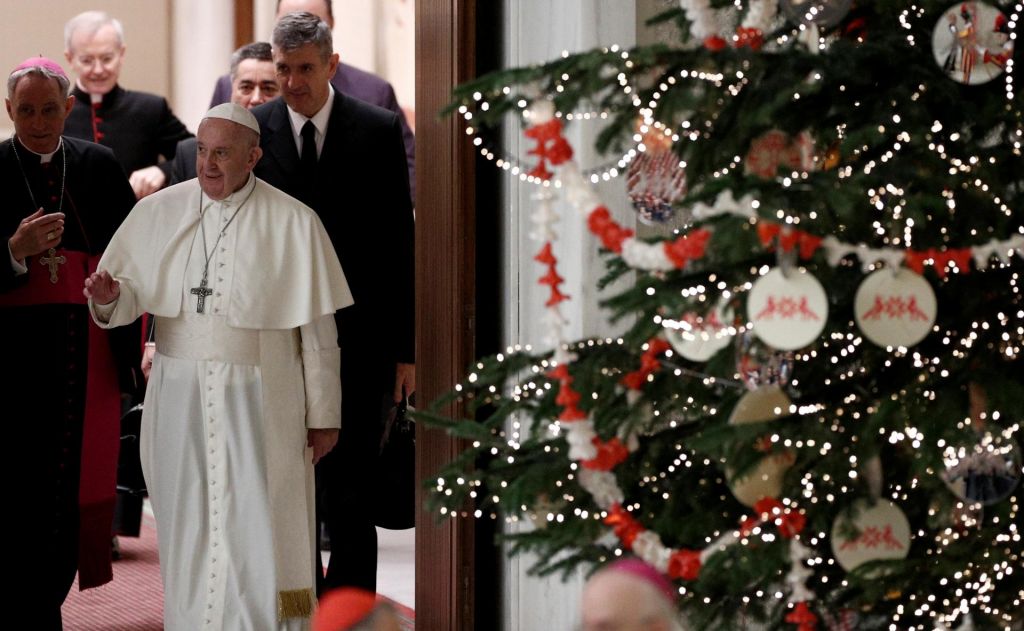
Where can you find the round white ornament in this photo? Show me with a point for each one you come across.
(787, 312)
(698, 338)
(971, 42)
(765, 478)
(895, 307)
(876, 533)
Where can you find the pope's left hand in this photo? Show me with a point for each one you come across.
(322, 441)
(147, 181)
(405, 381)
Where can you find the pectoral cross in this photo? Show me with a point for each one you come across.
(201, 292)
(53, 261)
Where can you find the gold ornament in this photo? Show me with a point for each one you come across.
(765, 478)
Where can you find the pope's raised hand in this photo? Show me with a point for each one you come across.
(101, 288)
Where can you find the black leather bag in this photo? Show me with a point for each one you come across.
(395, 500)
(131, 486)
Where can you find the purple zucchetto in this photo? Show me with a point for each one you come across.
(41, 62)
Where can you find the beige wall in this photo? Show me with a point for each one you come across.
(31, 27)
(396, 46)
(177, 48)
(203, 39)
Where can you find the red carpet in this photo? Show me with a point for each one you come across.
(133, 601)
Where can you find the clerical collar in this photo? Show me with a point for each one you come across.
(319, 119)
(44, 158)
(94, 99)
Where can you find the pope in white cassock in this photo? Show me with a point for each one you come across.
(245, 394)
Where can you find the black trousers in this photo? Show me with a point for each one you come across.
(345, 484)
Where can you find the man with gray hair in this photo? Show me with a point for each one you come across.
(348, 80)
(345, 159)
(63, 199)
(244, 395)
(253, 83)
(139, 127)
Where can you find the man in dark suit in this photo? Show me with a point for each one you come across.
(253, 83)
(348, 80)
(344, 158)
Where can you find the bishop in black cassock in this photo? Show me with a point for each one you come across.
(61, 391)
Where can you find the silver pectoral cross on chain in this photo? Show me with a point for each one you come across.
(201, 292)
(53, 262)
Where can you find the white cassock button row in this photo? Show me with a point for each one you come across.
(215, 597)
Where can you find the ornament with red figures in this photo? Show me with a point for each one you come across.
(875, 533)
(895, 308)
(787, 311)
(698, 338)
(972, 42)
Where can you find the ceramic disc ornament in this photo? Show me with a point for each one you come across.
(895, 308)
(986, 472)
(697, 338)
(876, 532)
(765, 478)
(823, 13)
(787, 313)
(971, 42)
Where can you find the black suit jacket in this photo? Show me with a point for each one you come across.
(183, 167)
(361, 193)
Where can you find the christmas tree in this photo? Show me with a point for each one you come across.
(813, 418)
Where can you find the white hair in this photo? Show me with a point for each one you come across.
(90, 22)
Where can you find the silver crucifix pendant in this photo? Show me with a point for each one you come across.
(201, 292)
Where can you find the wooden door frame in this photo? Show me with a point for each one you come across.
(244, 23)
(445, 296)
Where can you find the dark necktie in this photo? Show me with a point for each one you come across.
(309, 146)
(309, 158)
